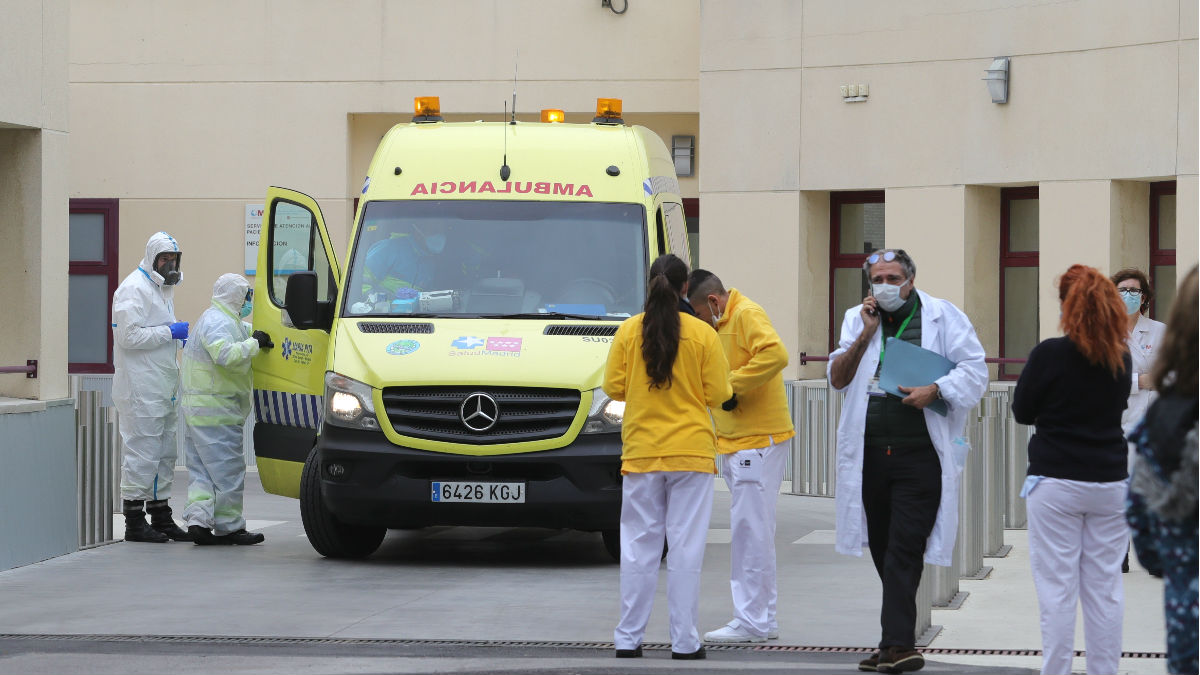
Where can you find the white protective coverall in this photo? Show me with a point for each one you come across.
(217, 383)
(146, 376)
(947, 331)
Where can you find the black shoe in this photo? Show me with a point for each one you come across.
(202, 536)
(244, 538)
(635, 653)
(870, 665)
(689, 656)
(900, 660)
(137, 529)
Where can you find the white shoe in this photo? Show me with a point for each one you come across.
(728, 633)
(773, 634)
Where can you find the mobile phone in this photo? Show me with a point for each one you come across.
(871, 310)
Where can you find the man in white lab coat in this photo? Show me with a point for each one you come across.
(898, 463)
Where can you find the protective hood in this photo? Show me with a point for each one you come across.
(230, 292)
(160, 242)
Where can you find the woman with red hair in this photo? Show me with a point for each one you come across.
(1074, 389)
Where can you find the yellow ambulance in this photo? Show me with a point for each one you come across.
(448, 371)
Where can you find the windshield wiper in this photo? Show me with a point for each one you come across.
(549, 315)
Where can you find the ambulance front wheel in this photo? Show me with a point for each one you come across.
(329, 536)
(612, 543)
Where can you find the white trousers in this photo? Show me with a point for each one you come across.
(216, 477)
(753, 477)
(148, 455)
(1077, 537)
(675, 505)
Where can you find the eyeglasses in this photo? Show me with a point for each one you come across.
(1129, 291)
(886, 256)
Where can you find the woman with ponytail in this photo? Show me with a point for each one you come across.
(1074, 389)
(668, 368)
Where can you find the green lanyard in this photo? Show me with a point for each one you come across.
(883, 340)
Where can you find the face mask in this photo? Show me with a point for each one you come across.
(435, 243)
(888, 296)
(1133, 303)
(247, 308)
(715, 313)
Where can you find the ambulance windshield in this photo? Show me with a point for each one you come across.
(498, 258)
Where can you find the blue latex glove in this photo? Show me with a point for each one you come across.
(179, 330)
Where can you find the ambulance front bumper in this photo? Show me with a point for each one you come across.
(365, 479)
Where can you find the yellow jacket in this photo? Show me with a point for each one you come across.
(668, 429)
(757, 357)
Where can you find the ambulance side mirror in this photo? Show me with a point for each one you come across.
(300, 300)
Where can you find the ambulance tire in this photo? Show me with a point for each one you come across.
(329, 536)
(612, 543)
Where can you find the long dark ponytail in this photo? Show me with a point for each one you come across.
(660, 325)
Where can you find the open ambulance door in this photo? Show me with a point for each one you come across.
(289, 379)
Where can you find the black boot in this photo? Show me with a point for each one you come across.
(136, 527)
(161, 520)
(202, 536)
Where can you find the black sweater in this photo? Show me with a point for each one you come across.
(1077, 409)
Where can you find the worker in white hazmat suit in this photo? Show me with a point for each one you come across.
(217, 384)
(145, 383)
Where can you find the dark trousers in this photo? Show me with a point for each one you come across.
(901, 490)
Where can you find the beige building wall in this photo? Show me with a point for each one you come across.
(186, 112)
(1102, 101)
(33, 192)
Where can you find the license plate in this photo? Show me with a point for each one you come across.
(483, 493)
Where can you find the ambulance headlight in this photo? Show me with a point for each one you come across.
(349, 403)
(605, 415)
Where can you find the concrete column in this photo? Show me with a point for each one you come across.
(33, 262)
(1129, 233)
(812, 295)
(953, 233)
(1187, 223)
(753, 243)
(981, 280)
(1100, 223)
(927, 222)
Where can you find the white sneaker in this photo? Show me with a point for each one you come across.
(773, 633)
(728, 633)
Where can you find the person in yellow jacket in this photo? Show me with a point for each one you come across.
(752, 446)
(668, 368)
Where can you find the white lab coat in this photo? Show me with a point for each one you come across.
(1143, 345)
(947, 331)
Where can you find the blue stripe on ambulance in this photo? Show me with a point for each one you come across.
(287, 409)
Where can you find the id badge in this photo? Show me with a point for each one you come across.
(873, 388)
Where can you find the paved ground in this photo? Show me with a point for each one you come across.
(467, 600)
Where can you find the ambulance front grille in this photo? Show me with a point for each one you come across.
(523, 413)
(386, 327)
(559, 329)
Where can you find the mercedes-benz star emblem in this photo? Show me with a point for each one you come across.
(479, 412)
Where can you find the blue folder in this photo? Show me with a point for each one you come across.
(908, 365)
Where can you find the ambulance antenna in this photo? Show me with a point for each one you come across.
(516, 59)
(505, 172)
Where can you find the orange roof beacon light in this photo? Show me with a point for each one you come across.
(427, 109)
(608, 111)
(553, 115)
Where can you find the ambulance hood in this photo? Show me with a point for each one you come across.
(472, 351)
